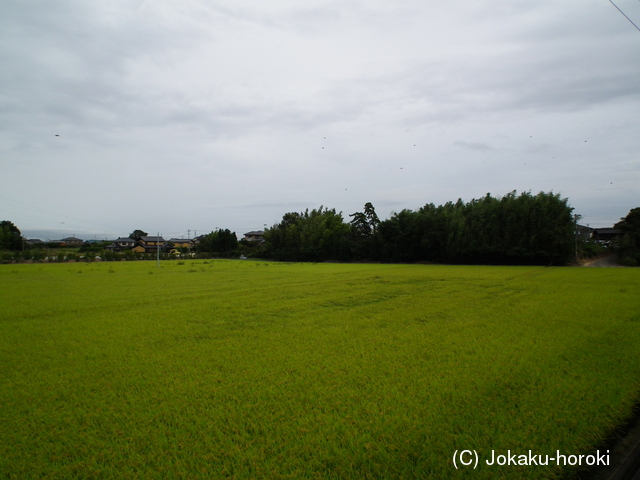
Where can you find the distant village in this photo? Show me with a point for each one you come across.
(143, 244)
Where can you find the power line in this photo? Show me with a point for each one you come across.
(13, 214)
(625, 16)
(22, 205)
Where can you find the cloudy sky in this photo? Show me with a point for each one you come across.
(184, 117)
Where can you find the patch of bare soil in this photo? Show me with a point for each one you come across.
(607, 260)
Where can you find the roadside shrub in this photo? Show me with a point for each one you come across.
(37, 256)
(628, 261)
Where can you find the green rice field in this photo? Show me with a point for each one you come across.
(244, 369)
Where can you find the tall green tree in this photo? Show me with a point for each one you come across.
(400, 237)
(316, 235)
(372, 217)
(10, 236)
(365, 223)
(220, 242)
(364, 233)
(360, 225)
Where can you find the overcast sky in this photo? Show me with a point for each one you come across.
(184, 117)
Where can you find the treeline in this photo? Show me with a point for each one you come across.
(514, 229)
(221, 243)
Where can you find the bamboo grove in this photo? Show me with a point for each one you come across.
(512, 229)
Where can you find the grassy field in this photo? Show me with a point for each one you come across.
(249, 369)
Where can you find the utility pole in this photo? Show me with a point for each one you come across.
(575, 234)
(158, 243)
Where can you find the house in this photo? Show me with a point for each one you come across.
(122, 243)
(149, 244)
(583, 232)
(147, 248)
(34, 241)
(196, 241)
(181, 242)
(125, 242)
(606, 235)
(72, 241)
(256, 236)
(150, 241)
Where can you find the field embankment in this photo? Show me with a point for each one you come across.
(265, 370)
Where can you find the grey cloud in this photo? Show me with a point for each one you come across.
(208, 99)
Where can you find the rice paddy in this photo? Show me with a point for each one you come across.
(243, 369)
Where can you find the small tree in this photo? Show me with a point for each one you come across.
(10, 236)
